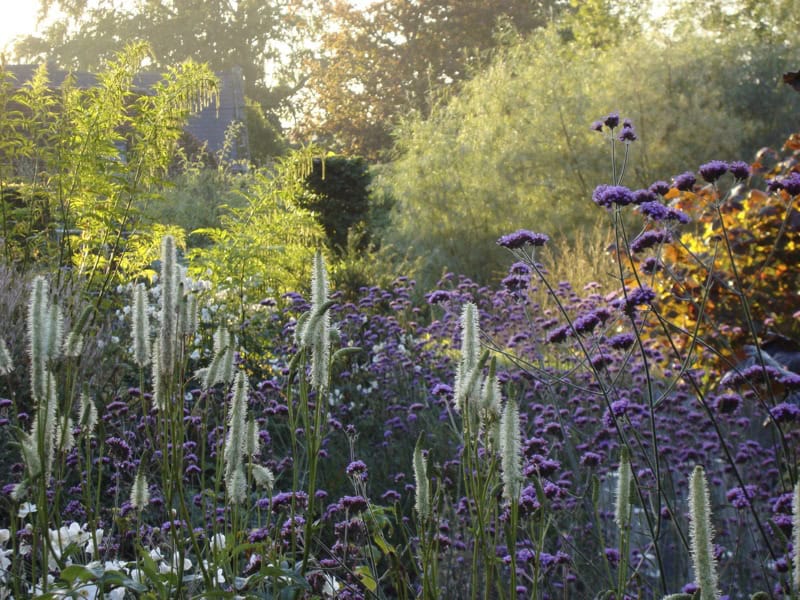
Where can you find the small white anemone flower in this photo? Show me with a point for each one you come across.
(25, 509)
(217, 542)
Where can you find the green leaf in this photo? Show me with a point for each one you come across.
(365, 575)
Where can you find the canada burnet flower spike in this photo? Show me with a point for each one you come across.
(140, 326)
(236, 441)
(421, 483)
(622, 506)
(140, 494)
(167, 335)
(701, 533)
(313, 330)
(6, 364)
(511, 451)
(468, 388)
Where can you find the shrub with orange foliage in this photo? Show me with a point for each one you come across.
(733, 274)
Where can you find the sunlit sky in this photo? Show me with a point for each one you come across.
(17, 17)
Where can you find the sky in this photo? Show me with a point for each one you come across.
(17, 17)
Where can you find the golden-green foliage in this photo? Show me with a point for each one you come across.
(514, 148)
(85, 163)
(265, 247)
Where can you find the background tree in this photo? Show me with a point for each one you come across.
(376, 63)
(514, 148)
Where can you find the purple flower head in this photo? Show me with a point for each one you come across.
(354, 503)
(659, 187)
(516, 283)
(591, 459)
(627, 134)
(790, 183)
(740, 170)
(785, 412)
(522, 238)
(596, 126)
(438, 296)
(637, 297)
(612, 120)
(118, 448)
(608, 195)
(558, 334)
(654, 210)
(711, 171)
(650, 265)
(621, 341)
(649, 239)
(612, 556)
(739, 497)
(357, 469)
(519, 268)
(673, 214)
(642, 196)
(728, 403)
(684, 182)
(586, 323)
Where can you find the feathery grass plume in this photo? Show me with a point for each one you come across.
(140, 326)
(167, 334)
(6, 364)
(44, 430)
(796, 535)
(37, 327)
(467, 385)
(236, 440)
(30, 453)
(190, 315)
(252, 441)
(221, 368)
(511, 451)
(317, 328)
(64, 435)
(55, 332)
(180, 310)
(622, 505)
(140, 493)
(490, 409)
(700, 533)
(159, 385)
(263, 476)
(73, 345)
(237, 486)
(421, 483)
(87, 413)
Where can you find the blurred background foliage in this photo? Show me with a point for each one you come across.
(441, 125)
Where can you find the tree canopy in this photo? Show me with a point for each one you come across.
(514, 148)
(376, 63)
(218, 32)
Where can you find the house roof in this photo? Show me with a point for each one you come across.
(209, 126)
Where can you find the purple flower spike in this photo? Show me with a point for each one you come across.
(597, 126)
(711, 171)
(522, 238)
(684, 182)
(740, 170)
